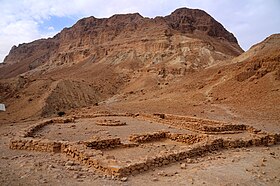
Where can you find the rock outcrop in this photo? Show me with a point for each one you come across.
(188, 36)
(186, 56)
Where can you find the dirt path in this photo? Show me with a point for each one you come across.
(209, 97)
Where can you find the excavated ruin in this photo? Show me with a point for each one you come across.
(102, 153)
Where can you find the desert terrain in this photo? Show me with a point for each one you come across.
(130, 100)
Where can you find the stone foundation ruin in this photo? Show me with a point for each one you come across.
(206, 136)
(109, 122)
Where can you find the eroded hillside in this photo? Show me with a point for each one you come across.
(101, 58)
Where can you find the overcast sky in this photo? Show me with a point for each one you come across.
(23, 21)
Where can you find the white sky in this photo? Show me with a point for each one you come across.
(21, 21)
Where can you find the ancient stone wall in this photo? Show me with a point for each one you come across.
(42, 145)
(155, 136)
(29, 132)
(96, 159)
(109, 122)
(198, 124)
(104, 115)
(142, 138)
(186, 138)
(102, 143)
(90, 152)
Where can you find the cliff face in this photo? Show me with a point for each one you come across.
(192, 20)
(28, 56)
(103, 61)
(189, 34)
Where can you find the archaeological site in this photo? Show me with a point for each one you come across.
(132, 100)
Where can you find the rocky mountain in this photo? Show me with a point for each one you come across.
(185, 62)
(189, 38)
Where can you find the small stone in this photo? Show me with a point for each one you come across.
(69, 163)
(191, 180)
(124, 179)
(85, 169)
(165, 162)
(189, 161)
(266, 180)
(58, 176)
(76, 176)
(183, 166)
(162, 173)
(264, 160)
(51, 167)
(14, 157)
(154, 179)
(110, 157)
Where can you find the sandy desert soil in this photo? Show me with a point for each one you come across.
(164, 70)
(245, 166)
(240, 166)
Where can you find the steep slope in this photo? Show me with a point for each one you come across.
(96, 59)
(252, 84)
(28, 56)
(187, 34)
(247, 91)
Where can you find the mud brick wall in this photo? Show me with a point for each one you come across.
(35, 145)
(103, 143)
